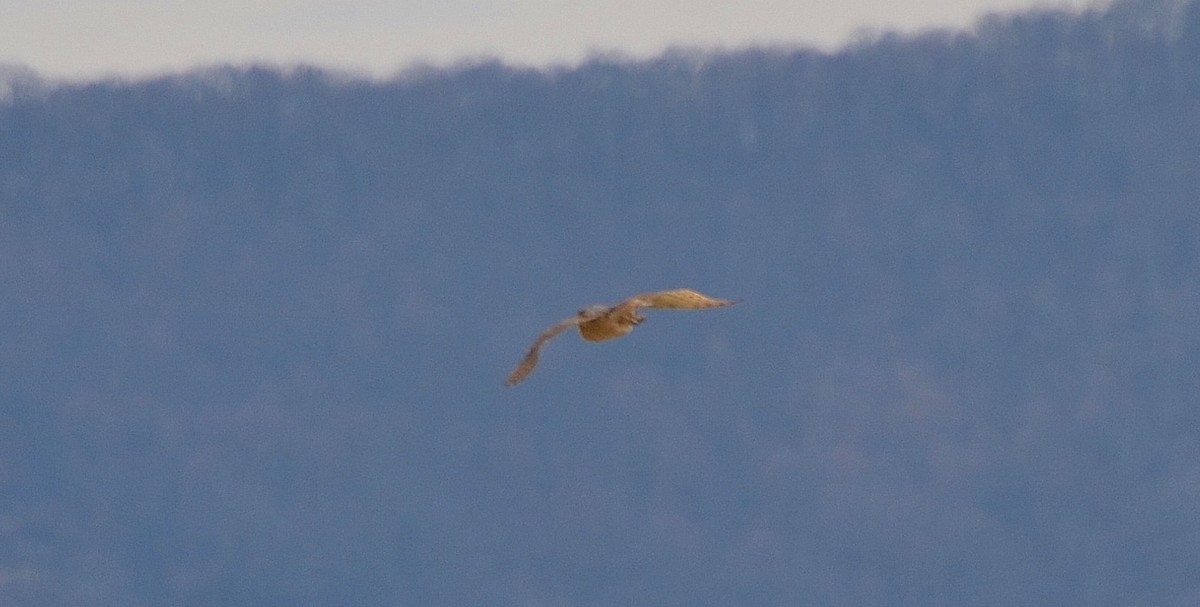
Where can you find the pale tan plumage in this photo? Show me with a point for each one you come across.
(598, 323)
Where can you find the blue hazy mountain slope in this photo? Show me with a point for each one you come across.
(254, 326)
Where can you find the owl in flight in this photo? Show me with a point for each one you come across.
(598, 323)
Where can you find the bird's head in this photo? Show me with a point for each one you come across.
(592, 312)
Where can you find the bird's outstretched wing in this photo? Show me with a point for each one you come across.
(677, 299)
(531, 358)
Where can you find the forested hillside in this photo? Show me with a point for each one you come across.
(254, 323)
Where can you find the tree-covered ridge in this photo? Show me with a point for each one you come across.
(255, 321)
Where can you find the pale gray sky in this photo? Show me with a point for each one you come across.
(90, 38)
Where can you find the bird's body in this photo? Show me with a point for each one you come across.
(600, 323)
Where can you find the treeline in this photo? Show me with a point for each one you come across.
(254, 322)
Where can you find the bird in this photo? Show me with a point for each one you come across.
(600, 322)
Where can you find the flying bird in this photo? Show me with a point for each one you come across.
(598, 323)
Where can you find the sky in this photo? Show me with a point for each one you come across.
(97, 38)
